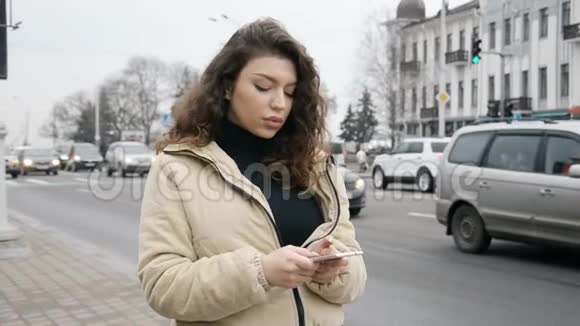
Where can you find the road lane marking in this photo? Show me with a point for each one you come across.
(12, 183)
(80, 179)
(423, 215)
(38, 182)
(84, 190)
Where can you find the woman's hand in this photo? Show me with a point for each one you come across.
(328, 270)
(289, 267)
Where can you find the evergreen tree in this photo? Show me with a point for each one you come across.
(348, 126)
(366, 122)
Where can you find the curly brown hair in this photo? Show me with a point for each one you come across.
(198, 114)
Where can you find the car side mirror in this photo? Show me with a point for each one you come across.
(574, 171)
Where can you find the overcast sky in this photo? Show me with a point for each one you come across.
(69, 45)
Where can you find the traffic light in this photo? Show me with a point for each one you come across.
(3, 43)
(475, 51)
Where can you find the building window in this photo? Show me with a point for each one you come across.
(492, 35)
(565, 13)
(507, 31)
(415, 53)
(564, 80)
(526, 27)
(424, 94)
(448, 91)
(462, 40)
(474, 91)
(414, 100)
(449, 42)
(425, 51)
(543, 82)
(543, 22)
(525, 83)
(475, 33)
(437, 47)
(491, 88)
(507, 85)
(460, 93)
(403, 52)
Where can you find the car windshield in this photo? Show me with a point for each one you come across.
(86, 149)
(36, 152)
(136, 149)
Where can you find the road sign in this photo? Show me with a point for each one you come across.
(443, 97)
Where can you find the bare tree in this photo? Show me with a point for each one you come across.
(181, 76)
(147, 78)
(379, 54)
(121, 98)
(62, 122)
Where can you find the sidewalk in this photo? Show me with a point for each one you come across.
(50, 278)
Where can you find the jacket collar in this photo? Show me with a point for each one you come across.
(227, 167)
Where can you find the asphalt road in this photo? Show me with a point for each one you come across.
(416, 276)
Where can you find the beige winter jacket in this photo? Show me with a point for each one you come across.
(204, 228)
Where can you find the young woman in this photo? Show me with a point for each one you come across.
(242, 196)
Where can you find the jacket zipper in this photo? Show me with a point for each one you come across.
(295, 292)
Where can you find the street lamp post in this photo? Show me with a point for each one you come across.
(441, 109)
(7, 231)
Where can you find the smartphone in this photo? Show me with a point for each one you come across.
(337, 256)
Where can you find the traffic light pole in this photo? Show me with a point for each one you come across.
(7, 231)
(441, 110)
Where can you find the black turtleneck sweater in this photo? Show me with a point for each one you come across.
(296, 216)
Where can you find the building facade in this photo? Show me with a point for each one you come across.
(540, 41)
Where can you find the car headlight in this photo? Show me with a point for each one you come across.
(14, 162)
(55, 162)
(128, 160)
(27, 162)
(359, 185)
(77, 158)
(64, 157)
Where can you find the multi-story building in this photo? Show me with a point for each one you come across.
(540, 41)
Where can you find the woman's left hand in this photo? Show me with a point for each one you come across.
(328, 270)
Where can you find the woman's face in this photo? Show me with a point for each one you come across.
(262, 95)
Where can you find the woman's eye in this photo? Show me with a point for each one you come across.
(261, 89)
(290, 95)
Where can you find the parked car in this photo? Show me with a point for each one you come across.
(515, 181)
(355, 188)
(83, 156)
(37, 159)
(415, 160)
(12, 165)
(128, 157)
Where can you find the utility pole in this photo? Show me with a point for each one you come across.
(441, 109)
(97, 120)
(7, 231)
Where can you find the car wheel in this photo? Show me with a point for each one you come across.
(14, 175)
(469, 231)
(425, 181)
(379, 180)
(354, 211)
(48, 172)
(55, 172)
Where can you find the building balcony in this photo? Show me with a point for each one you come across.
(413, 66)
(457, 58)
(572, 32)
(429, 113)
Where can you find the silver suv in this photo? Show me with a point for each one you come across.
(515, 181)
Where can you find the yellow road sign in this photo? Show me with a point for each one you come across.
(443, 97)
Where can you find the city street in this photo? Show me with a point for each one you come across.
(416, 276)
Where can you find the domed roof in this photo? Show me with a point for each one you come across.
(411, 9)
